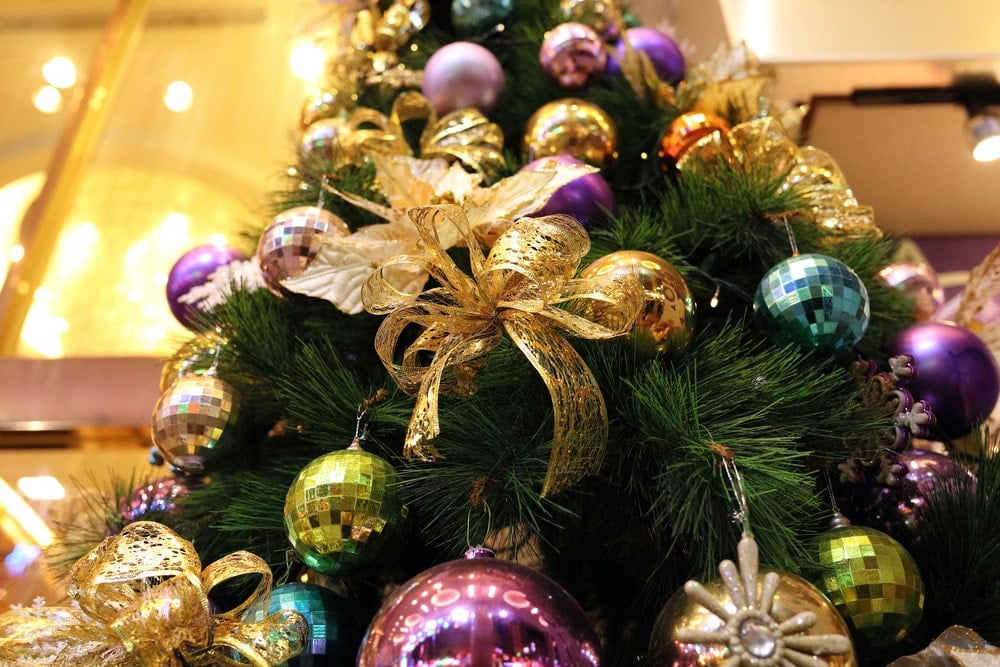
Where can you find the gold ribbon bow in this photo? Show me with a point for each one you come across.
(515, 289)
(143, 600)
(465, 135)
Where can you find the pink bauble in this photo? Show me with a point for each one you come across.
(589, 198)
(461, 75)
(480, 611)
(292, 239)
(573, 54)
(917, 281)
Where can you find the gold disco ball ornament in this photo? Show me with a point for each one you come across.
(666, 323)
(571, 126)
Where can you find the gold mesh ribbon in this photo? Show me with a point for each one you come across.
(465, 135)
(808, 171)
(142, 599)
(515, 289)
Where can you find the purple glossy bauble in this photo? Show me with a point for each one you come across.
(662, 51)
(461, 75)
(573, 54)
(588, 199)
(898, 510)
(956, 373)
(480, 611)
(158, 496)
(192, 270)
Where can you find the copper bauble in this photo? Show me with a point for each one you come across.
(685, 131)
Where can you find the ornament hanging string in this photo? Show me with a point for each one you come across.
(735, 479)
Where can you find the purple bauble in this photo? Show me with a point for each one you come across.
(662, 51)
(588, 199)
(158, 496)
(573, 54)
(461, 75)
(956, 373)
(193, 269)
(480, 611)
(898, 510)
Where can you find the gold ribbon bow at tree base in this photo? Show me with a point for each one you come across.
(141, 598)
(515, 289)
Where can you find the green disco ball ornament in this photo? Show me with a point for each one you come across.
(813, 301)
(342, 509)
(476, 18)
(872, 581)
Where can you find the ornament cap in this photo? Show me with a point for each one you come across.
(839, 521)
(479, 552)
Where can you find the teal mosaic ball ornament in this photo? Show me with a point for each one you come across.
(476, 18)
(814, 301)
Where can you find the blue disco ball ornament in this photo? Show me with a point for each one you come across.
(334, 631)
(813, 301)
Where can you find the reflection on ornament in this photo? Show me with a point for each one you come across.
(666, 322)
(604, 16)
(461, 75)
(956, 373)
(685, 131)
(814, 301)
(917, 281)
(480, 611)
(342, 508)
(871, 580)
(572, 126)
(573, 55)
(193, 269)
(196, 423)
(476, 18)
(291, 240)
(329, 139)
(744, 620)
(194, 357)
(588, 199)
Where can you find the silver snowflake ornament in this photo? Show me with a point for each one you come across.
(754, 637)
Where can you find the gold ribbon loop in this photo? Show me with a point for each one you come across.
(143, 600)
(515, 289)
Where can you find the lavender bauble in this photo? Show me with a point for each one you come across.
(292, 239)
(956, 373)
(589, 198)
(193, 269)
(662, 51)
(480, 611)
(918, 281)
(463, 75)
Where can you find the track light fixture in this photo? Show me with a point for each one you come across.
(984, 136)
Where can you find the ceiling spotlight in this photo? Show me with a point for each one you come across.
(984, 134)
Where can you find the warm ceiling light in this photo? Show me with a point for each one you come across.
(984, 133)
(178, 96)
(47, 99)
(307, 60)
(60, 72)
(41, 487)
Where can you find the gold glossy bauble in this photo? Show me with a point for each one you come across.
(571, 126)
(794, 595)
(666, 322)
(685, 131)
(323, 104)
(194, 357)
(604, 16)
(332, 141)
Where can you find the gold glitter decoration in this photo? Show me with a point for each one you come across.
(743, 620)
(195, 422)
(573, 126)
(666, 323)
(873, 582)
(141, 598)
(515, 289)
(342, 509)
(194, 357)
(808, 171)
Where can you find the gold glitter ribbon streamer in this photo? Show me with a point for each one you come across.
(515, 289)
(143, 600)
(465, 135)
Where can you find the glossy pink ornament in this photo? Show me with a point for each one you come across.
(956, 373)
(477, 612)
(573, 54)
(662, 51)
(589, 198)
(159, 496)
(193, 269)
(919, 282)
(292, 239)
(463, 75)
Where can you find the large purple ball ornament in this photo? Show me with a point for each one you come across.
(573, 54)
(461, 75)
(589, 198)
(193, 269)
(662, 51)
(956, 374)
(898, 510)
(480, 611)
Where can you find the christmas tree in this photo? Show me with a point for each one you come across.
(536, 284)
